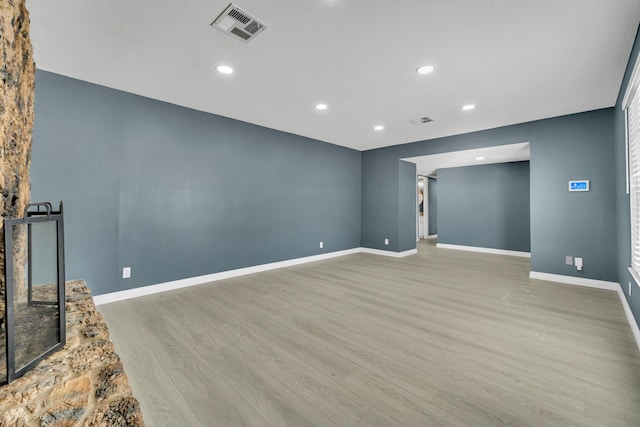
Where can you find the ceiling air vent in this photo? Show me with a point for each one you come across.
(421, 120)
(238, 23)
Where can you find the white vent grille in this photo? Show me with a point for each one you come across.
(421, 120)
(238, 23)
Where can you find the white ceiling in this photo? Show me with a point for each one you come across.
(516, 60)
(428, 165)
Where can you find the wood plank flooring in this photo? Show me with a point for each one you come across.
(442, 338)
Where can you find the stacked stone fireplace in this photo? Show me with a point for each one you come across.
(17, 76)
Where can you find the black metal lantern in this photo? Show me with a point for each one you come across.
(34, 293)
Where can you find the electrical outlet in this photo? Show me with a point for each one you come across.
(568, 260)
(578, 262)
(126, 272)
(386, 242)
(321, 245)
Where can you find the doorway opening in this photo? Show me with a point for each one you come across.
(484, 200)
(427, 213)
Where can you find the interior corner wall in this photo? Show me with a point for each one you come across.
(485, 206)
(623, 207)
(176, 193)
(577, 146)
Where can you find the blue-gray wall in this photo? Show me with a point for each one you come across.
(407, 179)
(485, 206)
(177, 193)
(380, 196)
(578, 146)
(432, 207)
(398, 214)
(622, 198)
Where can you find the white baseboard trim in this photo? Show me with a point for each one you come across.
(632, 320)
(578, 281)
(600, 284)
(484, 250)
(199, 280)
(389, 253)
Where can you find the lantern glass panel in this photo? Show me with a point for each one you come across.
(35, 275)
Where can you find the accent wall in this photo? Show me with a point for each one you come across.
(577, 146)
(485, 206)
(175, 193)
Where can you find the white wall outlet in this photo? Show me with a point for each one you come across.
(386, 242)
(568, 260)
(126, 272)
(321, 245)
(578, 263)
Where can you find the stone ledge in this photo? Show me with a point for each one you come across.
(83, 384)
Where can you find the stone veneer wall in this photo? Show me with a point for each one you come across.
(17, 77)
(83, 384)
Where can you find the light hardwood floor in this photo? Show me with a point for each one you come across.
(442, 338)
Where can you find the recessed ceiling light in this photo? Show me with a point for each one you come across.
(469, 107)
(321, 106)
(425, 69)
(378, 127)
(224, 69)
(480, 158)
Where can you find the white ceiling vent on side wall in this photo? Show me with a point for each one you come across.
(421, 120)
(238, 23)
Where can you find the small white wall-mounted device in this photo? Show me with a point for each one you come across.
(579, 185)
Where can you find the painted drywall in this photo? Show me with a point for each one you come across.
(432, 207)
(578, 146)
(176, 193)
(622, 198)
(485, 206)
(407, 180)
(380, 199)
